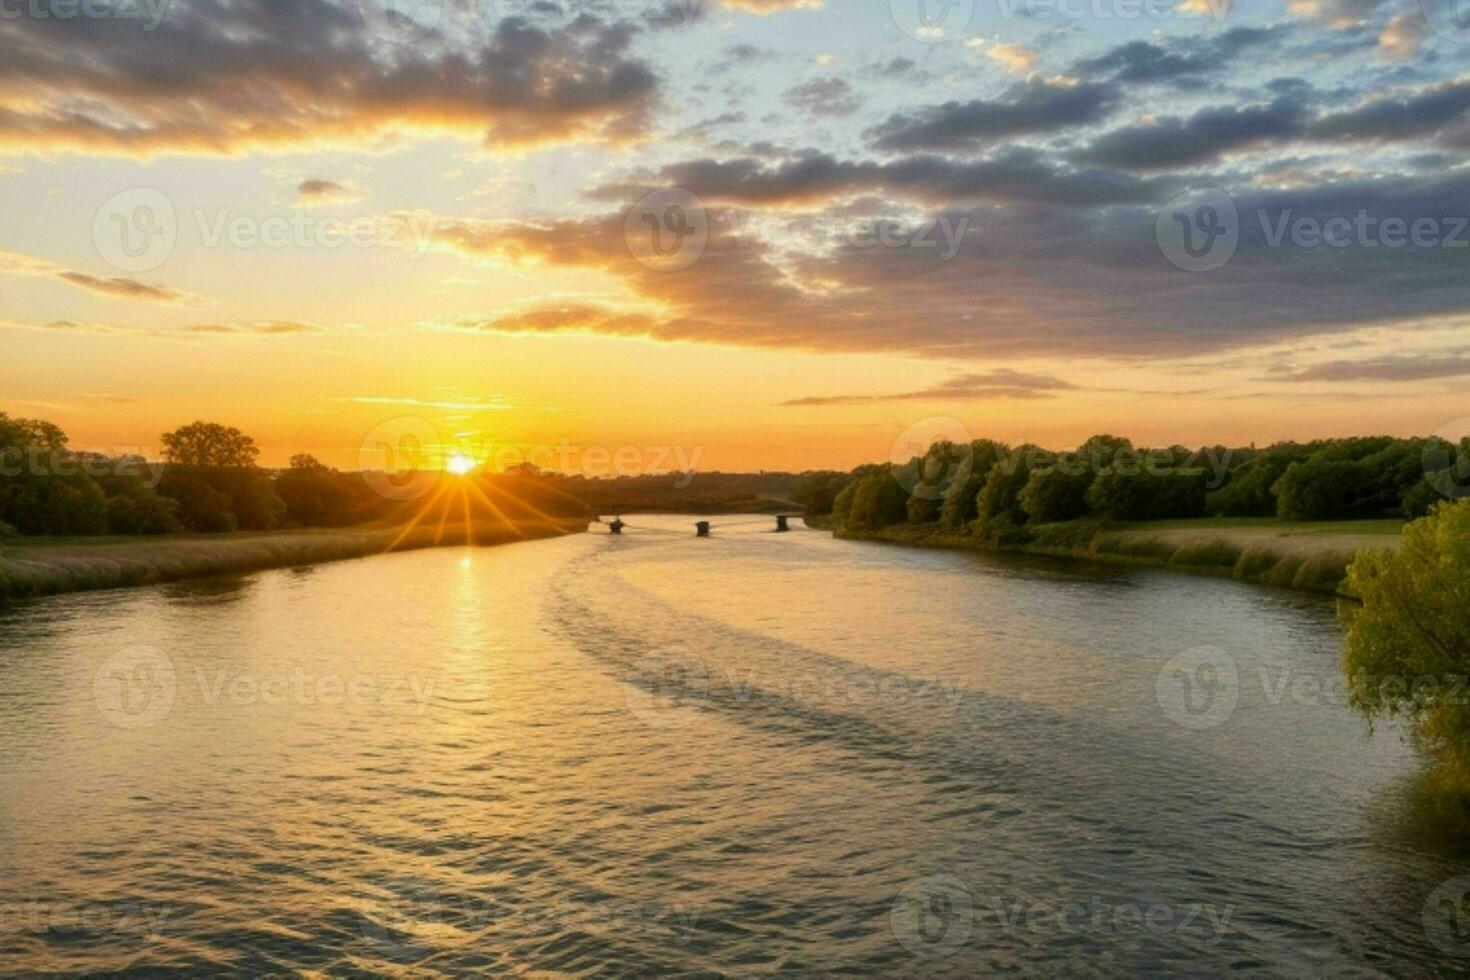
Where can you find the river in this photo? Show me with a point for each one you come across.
(658, 753)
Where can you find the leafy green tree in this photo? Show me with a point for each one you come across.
(842, 504)
(959, 506)
(44, 488)
(922, 510)
(1408, 644)
(213, 476)
(1322, 488)
(1248, 492)
(316, 495)
(880, 501)
(1148, 493)
(816, 492)
(209, 444)
(998, 505)
(1058, 492)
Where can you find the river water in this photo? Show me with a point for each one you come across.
(657, 753)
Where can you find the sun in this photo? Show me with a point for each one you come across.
(459, 464)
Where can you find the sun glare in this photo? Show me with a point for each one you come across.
(459, 464)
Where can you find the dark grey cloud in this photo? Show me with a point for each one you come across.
(1149, 62)
(1028, 278)
(823, 97)
(1016, 175)
(1393, 368)
(1425, 113)
(1027, 108)
(897, 67)
(1000, 383)
(1201, 138)
(121, 287)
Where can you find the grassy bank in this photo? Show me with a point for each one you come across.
(1311, 557)
(43, 566)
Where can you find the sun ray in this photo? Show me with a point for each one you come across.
(521, 502)
(417, 517)
(510, 525)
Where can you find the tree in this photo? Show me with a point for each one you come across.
(306, 461)
(1408, 644)
(43, 488)
(922, 510)
(209, 444)
(878, 502)
(1248, 492)
(316, 495)
(1057, 493)
(998, 504)
(816, 492)
(959, 508)
(1126, 493)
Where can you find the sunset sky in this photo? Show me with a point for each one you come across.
(177, 186)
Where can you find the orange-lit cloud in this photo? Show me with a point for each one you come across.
(220, 78)
(13, 263)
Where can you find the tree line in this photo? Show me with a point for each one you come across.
(207, 481)
(996, 492)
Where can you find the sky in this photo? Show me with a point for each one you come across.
(732, 234)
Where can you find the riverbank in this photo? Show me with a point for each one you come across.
(35, 567)
(1308, 557)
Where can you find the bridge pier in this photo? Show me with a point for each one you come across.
(701, 529)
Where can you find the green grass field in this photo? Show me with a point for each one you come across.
(1389, 526)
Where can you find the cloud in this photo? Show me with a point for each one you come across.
(226, 76)
(496, 405)
(1402, 36)
(1440, 111)
(565, 318)
(266, 328)
(1012, 57)
(1029, 278)
(1016, 175)
(14, 263)
(1027, 108)
(824, 97)
(1201, 138)
(764, 8)
(1420, 114)
(1148, 62)
(1000, 383)
(1338, 14)
(122, 287)
(1390, 368)
(318, 192)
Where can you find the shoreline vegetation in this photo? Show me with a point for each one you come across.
(32, 568)
(1306, 557)
(73, 520)
(1290, 515)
